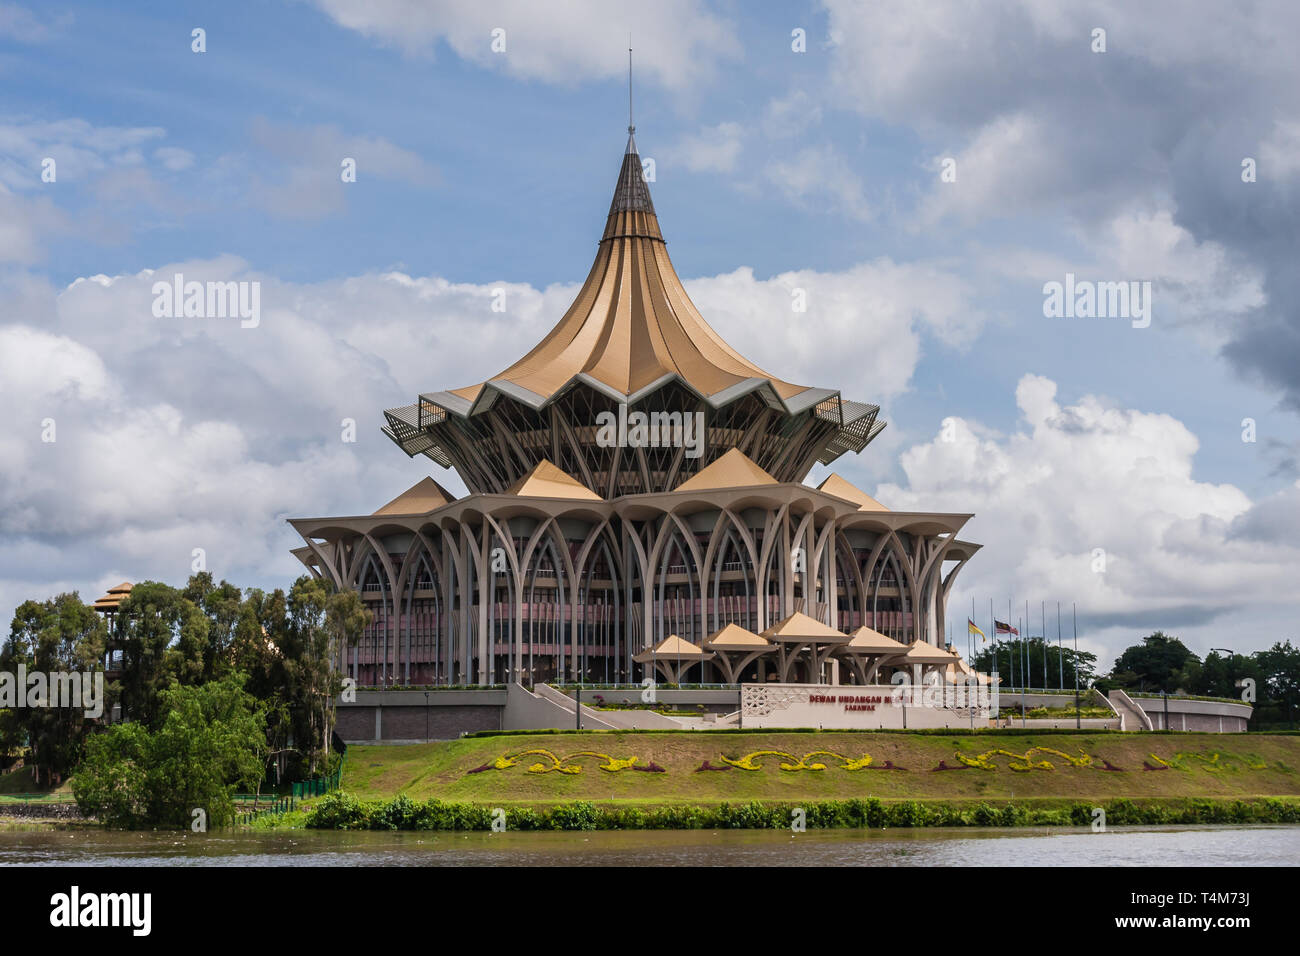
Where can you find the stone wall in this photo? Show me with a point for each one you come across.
(408, 716)
(1185, 713)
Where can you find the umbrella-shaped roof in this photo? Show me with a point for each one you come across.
(672, 648)
(837, 486)
(733, 637)
(865, 640)
(422, 497)
(548, 481)
(801, 628)
(919, 652)
(734, 469)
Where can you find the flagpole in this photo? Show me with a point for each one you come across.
(1010, 660)
(1060, 650)
(1024, 672)
(1043, 612)
(1074, 610)
(993, 624)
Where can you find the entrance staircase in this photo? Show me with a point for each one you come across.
(1131, 716)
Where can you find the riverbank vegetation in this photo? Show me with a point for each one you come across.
(343, 811)
(211, 690)
(713, 767)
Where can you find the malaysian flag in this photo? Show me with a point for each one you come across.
(1000, 628)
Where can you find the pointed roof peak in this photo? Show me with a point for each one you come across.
(548, 481)
(732, 469)
(837, 486)
(422, 497)
(632, 195)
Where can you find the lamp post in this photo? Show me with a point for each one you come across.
(426, 716)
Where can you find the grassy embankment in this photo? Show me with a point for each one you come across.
(20, 785)
(1248, 767)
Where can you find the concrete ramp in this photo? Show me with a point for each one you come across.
(620, 719)
(546, 709)
(1131, 716)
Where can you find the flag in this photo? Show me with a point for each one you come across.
(1000, 628)
(972, 629)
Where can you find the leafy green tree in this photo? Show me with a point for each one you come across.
(210, 744)
(1279, 666)
(58, 636)
(319, 621)
(222, 605)
(1219, 674)
(1159, 663)
(147, 624)
(1011, 661)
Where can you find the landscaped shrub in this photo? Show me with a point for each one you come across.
(573, 816)
(342, 811)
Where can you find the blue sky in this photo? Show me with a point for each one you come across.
(773, 169)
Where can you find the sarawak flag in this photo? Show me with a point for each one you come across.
(972, 629)
(1000, 628)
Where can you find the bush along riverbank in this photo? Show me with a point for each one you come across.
(343, 811)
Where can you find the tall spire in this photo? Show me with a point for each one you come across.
(631, 194)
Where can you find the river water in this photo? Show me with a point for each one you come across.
(1118, 846)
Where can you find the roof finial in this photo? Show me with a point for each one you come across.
(631, 128)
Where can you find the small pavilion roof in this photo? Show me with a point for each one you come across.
(548, 481)
(734, 469)
(114, 598)
(921, 652)
(422, 497)
(670, 648)
(801, 628)
(837, 486)
(733, 637)
(866, 640)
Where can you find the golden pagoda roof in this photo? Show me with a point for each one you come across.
(734, 469)
(114, 598)
(837, 486)
(421, 498)
(548, 481)
(631, 329)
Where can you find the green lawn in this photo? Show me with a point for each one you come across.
(19, 785)
(1248, 766)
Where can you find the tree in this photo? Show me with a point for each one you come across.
(1159, 663)
(1011, 656)
(222, 604)
(58, 636)
(1279, 667)
(1219, 675)
(210, 743)
(147, 624)
(319, 622)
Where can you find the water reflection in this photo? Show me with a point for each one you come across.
(1120, 846)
